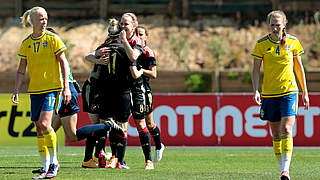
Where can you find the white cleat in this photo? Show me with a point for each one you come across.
(158, 154)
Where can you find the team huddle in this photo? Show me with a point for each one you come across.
(118, 87)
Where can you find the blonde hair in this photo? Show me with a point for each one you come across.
(132, 16)
(282, 15)
(25, 19)
(113, 27)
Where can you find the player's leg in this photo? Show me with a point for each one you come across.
(270, 111)
(56, 122)
(44, 154)
(289, 106)
(94, 118)
(121, 146)
(277, 148)
(138, 113)
(68, 114)
(153, 128)
(89, 161)
(46, 104)
(69, 124)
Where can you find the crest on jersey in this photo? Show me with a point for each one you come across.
(287, 48)
(45, 43)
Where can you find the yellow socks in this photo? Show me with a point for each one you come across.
(43, 151)
(287, 148)
(277, 150)
(50, 142)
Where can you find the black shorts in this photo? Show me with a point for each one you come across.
(149, 102)
(138, 101)
(115, 104)
(90, 98)
(72, 107)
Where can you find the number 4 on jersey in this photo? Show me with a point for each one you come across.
(278, 51)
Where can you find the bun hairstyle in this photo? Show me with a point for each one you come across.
(113, 28)
(25, 19)
(282, 15)
(133, 17)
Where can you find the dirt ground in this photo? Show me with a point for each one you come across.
(82, 37)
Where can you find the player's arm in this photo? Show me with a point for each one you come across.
(135, 73)
(19, 77)
(132, 53)
(65, 71)
(151, 72)
(299, 71)
(92, 58)
(255, 80)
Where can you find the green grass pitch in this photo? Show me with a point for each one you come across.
(177, 163)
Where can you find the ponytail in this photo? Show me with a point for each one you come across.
(25, 19)
(283, 40)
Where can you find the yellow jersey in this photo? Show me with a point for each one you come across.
(43, 66)
(279, 79)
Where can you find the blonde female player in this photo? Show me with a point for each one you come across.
(43, 52)
(133, 48)
(149, 70)
(280, 54)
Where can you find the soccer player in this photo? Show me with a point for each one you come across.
(43, 52)
(149, 70)
(280, 54)
(113, 88)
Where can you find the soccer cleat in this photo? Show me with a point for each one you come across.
(285, 175)
(149, 165)
(39, 171)
(158, 153)
(112, 163)
(90, 164)
(40, 176)
(122, 165)
(102, 159)
(52, 171)
(115, 127)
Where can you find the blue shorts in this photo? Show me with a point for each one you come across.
(272, 109)
(72, 107)
(43, 102)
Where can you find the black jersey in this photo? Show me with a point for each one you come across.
(145, 60)
(116, 74)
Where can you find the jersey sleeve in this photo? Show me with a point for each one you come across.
(298, 50)
(22, 54)
(256, 53)
(57, 45)
(151, 56)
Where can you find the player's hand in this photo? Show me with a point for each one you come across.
(66, 95)
(257, 98)
(102, 51)
(305, 99)
(123, 36)
(15, 97)
(104, 60)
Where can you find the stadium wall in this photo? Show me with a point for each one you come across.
(213, 119)
(175, 81)
(184, 8)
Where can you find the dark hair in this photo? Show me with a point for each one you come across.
(52, 30)
(142, 27)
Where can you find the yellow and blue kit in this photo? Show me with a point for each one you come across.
(43, 66)
(279, 88)
(279, 78)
